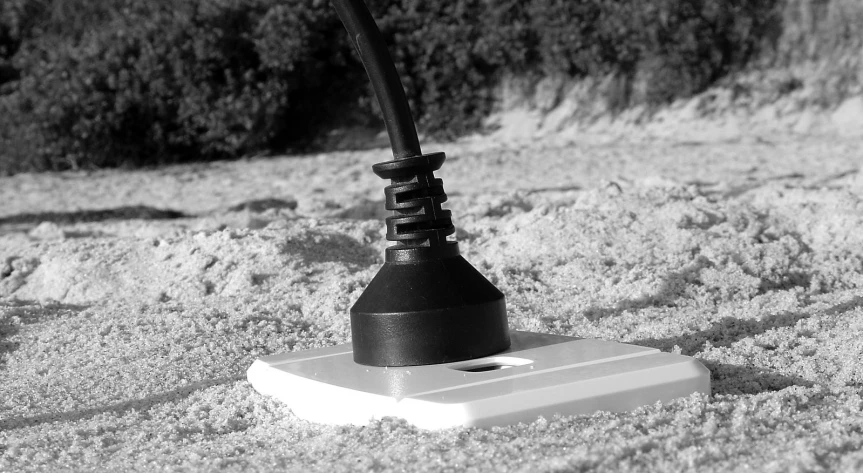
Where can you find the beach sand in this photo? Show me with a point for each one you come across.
(132, 303)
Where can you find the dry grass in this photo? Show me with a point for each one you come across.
(817, 29)
(821, 42)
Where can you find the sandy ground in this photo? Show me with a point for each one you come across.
(131, 304)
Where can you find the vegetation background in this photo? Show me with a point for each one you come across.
(88, 84)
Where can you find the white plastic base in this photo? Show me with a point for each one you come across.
(540, 375)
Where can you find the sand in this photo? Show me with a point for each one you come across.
(132, 302)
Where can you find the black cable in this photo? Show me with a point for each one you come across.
(370, 45)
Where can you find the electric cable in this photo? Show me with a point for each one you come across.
(370, 45)
(427, 304)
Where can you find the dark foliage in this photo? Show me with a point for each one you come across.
(124, 82)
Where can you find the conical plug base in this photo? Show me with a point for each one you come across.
(428, 312)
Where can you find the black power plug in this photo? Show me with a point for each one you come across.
(427, 304)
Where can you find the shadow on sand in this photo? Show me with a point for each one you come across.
(15, 313)
(131, 212)
(726, 378)
(723, 332)
(118, 408)
(740, 379)
(323, 247)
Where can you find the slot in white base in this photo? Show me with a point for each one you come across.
(540, 375)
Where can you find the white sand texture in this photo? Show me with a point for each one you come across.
(132, 303)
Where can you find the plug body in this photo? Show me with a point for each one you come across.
(427, 304)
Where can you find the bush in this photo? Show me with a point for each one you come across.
(123, 82)
(679, 46)
(446, 59)
(162, 83)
